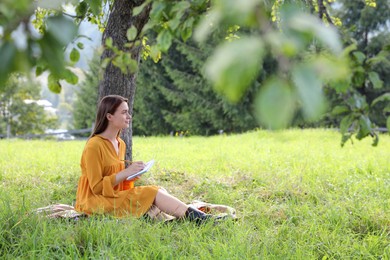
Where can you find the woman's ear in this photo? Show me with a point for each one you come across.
(109, 116)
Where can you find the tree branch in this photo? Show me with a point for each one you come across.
(322, 11)
(73, 16)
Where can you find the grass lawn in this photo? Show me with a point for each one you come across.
(297, 193)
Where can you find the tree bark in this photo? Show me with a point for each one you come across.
(114, 81)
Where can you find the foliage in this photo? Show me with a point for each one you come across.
(84, 112)
(297, 193)
(298, 47)
(236, 64)
(174, 96)
(42, 49)
(307, 49)
(365, 30)
(23, 118)
(148, 118)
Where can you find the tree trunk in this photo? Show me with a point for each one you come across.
(114, 81)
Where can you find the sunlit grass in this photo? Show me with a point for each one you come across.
(298, 195)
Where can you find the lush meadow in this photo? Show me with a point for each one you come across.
(297, 193)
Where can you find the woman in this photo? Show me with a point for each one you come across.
(101, 187)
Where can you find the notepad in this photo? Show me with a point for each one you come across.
(148, 165)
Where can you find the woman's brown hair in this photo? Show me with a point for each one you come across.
(107, 105)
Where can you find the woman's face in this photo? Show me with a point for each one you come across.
(121, 118)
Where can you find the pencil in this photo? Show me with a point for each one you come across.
(127, 161)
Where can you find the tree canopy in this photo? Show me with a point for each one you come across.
(301, 36)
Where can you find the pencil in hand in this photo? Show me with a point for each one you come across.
(129, 162)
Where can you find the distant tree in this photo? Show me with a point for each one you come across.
(365, 101)
(182, 99)
(148, 118)
(84, 112)
(23, 118)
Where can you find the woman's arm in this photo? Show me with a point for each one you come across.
(133, 168)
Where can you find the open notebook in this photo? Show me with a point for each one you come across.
(148, 165)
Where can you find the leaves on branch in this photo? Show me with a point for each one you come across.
(235, 65)
(74, 55)
(275, 104)
(309, 89)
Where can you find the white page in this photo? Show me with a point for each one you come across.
(148, 165)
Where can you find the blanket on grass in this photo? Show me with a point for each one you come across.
(68, 212)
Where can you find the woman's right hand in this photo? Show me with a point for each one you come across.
(130, 170)
(135, 167)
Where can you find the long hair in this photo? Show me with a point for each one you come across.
(108, 104)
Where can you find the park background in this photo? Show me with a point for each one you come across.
(174, 95)
(305, 192)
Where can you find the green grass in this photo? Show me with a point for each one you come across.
(297, 193)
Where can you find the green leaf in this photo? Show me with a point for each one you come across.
(157, 10)
(358, 78)
(7, 53)
(81, 9)
(359, 57)
(186, 31)
(375, 80)
(309, 88)
(105, 62)
(132, 65)
(39, 70)
(125, 63)
(359, 101)
(131, 33)
(109, 42)
(364, 127)
(95, 6)
(80, 45)
(74, 55)
(179, 9)
(54, 84)
(52, 54)
(117, 62)
(207, 25)
(331, 68)
(345, 137)
(380, 57)
(384, 97)
(306, 23)
(70, 77)
(174, 23)
(234, 66)
(345, 123)
(155, 53)
(340, 86)
(239, 12)
(164, 40)
(275, 104)
(337, 110)
(376, 139)
(349, 49)
(62, 29)
(387, 109)
(137, 10)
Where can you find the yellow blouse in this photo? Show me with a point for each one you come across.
(96, 192)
